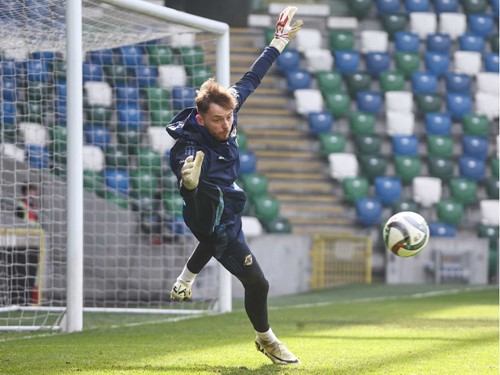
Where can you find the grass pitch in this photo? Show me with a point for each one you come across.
(354, 330)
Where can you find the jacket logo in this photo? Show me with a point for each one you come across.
(221, 158)
(248, 260)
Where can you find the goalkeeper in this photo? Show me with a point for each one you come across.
(206, 162)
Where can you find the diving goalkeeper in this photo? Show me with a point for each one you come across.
(206, 162)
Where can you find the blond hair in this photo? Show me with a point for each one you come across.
(211, 92)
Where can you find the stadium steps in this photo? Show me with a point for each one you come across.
(285, 152)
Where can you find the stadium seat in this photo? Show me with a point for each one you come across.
(92, 72)
(191, 55)
(404, 145)
(490, 60)
(331, 142)
(38, 70)
(251, 226)
(446, 6)
(388, 189)
(33, 133)
(116, 75)
(98, 94)
(441, 167)
(423, 23)
(399, 101)
(329, 81)
(358, 81)
(368, 144)
(377, 62)
(463, 190)
(172, 203)
(458, 82)
(129, 116)
(471, 42)
(149, 160)
(266, 208)
(436, 63)
(369, 101)
(308, 38)
(487, 104)
(440, 145)
(488, 83)
(254, 184)
(8, 114)
(93, 158)
(320, 122)
(400, 123)
(467, 62)
(387, 6)
(298, 79)
(458, 105)
(38, 156)
(34, 111)
(57, 144)
(442, 230)
(406, 41)
(288, 60)
(437, 123)
(242, 140)
(427, 191)
(172, 75)
(361, 123)
(354, 188)
(116, 157)
(428, 103)
(342, 165)
(424, 83)
(157, 98)
(248, 162)
(160, 117)
(146, 75)
(481, 24)
(318, 59)
(183, 97)
(374, 41)
(94, 181)
(129, 138)
(438, 42)
(368, 211)
(493, 41)
(127, 95)
(308, 100)
(474, 6)
(341, 40)
(491, 184)
(475, 124)
(475, 146)
(407, 168)
(452, 24)
(417, 5)
(360, 8)
(159, 54)
(97, 135)
(278, 225)
(346, 61)
(102, 57)
(489, 209)
(9, 89)
(11, 151)
(407, 62)
(143, 183)
(391, 81)
(404, 205)
(494, 166)
(471, 168)
(338, 103)
(373, 166)
(494, 8)
(394, 22)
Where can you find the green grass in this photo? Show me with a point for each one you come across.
(347, 330)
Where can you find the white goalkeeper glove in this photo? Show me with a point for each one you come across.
(191, 170)
(283, 32)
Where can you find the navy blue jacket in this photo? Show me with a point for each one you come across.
(213, 210)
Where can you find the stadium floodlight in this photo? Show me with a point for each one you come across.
(110, 236)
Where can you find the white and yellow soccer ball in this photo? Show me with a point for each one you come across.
(406, 234)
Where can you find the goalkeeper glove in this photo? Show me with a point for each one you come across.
(283, 32)
(191, 170)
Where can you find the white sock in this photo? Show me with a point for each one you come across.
(266, 338)
(187, 276)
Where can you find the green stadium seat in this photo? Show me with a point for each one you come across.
(116, 157)
(58, 141)
(98, 115)
(198, 75)
(338, 103)
(168, 180)
(428, 103)
(442, 168)
(9, 132)
(368, 144)
(463, 190)
(404, 205)
(161, 117)
(144, 183)
(392, 81)
(60, 68)
(116, 74)
(357, 81)
(117, 199)
(494, 167)
(373, 165)
(360, 8)
(173, 204)
(491, 184)
(254, 184)
(191, 55)
(440, 145)
(393, 23)
(329, 81)
(474, 6)
(407, 62)
(331, 142)
(475, 124)
(278, 225)
(159, 55)
(361, 123)
(38, 91)
(355, 187)
(342, 40)
(94, 182)
(266, 208)
(407, 168)
(450, 211)
(149, 160)
(33, 112)
(490, 232)
(146, 204)
(493, 39)
(242, 140)
(130, 139)
(158, 98)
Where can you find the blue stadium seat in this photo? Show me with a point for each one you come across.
(97, 135)
(368, 211)
(458, 82)
(248, 162)
(446, 6)
(417, 5)
(475, 146)
(102, 57)
(183, 97)
(406, 41)
(471, 42)
(320, 122)
(145, 75)
(438, 229)
(117, 179)
(60, 110)
(38, 156)
(129, 115)
(298, 79)
(38, 70)
(9, 89)
(130, 55)
(438, 124)
(8, 113)
(424, 83)
(92, 72)
(127, 94)
(458, 105)
(61, 90)
(346, 61)
(288, 60)
(387, 6)
(481, 24)
(388, 189)
(49, 56)
(438, 42)
(404, 145)
(369, 101)
(491, 62)
(9, 68)
(376, 62)
(471, 168)
(436, 62)
(494, 7)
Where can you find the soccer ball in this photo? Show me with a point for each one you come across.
(406, 234)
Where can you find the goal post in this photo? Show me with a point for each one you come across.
(101, 253)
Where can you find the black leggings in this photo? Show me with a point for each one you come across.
(238, 259)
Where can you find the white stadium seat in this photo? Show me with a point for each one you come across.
(159, 139)
(93, 158)
(453, 24)
(374, 41)
(342, 165)
(34, 134)
(308, 39)
(487, 104)
(423, 23)
(172, 75)
(427, 191)
(98, 93)
(467, 62)
(399, 101)
(308, 100)
(489, 211)
(487, 82)
(251, 226)
(318, 59)
(400, 123)
(11, 151)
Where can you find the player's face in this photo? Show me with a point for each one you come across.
(218, 121)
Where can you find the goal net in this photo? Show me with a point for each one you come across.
(141, 64)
